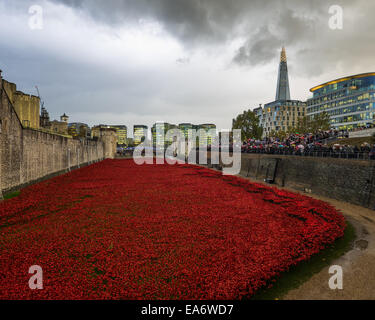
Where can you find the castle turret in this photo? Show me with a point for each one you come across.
(108, 136)
(64, 118)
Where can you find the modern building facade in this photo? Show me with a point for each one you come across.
(186, 128)
(95, 131)
(283, 113)
(206, 135)
(139, 133)
(121, 134)
(203, 131)
(78, 129)
(350, 101)
(159, 135)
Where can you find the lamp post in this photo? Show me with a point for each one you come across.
(68, 159)
(78, 157)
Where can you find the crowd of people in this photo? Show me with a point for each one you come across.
(310, 145)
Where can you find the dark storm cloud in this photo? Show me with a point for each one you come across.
(264, 25)
(243, 37)
(288, 29)
(187, 20)
(194, 22)
(260, 49)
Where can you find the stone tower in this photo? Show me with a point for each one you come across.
(64, 118)
(108, 136)
(282, 90)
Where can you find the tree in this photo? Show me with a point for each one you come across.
(272, 134)
(318, 122)
(303, 125)
(321, 121)
(248, 123)
(281, 134)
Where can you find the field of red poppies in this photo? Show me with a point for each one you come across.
(115, 230)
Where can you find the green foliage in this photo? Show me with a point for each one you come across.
(278, 134)
(248, 123)
(11, 195)
(321, 122)
(305, 124)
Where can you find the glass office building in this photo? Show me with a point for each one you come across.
(350, 101)
(140, 134)
(186, 128)
(206, 134)
(77, 129)
(159, 134)
(121, 134)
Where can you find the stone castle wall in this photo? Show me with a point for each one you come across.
(346, 180)
(28, 154)
(342, 179)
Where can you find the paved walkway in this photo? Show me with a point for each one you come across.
(358, 264)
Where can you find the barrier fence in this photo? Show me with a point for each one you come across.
(319, 154)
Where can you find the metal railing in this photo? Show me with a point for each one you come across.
(317, 154)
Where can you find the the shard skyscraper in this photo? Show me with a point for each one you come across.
(282, 90)
(283, 113)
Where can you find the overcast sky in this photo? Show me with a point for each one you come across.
(201, 61)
